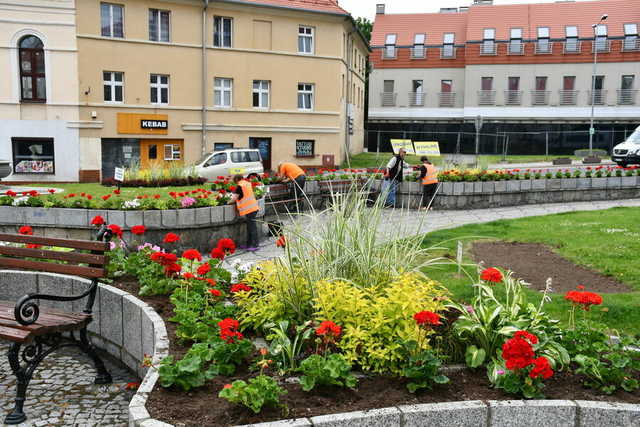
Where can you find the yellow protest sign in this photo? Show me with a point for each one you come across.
(427, 148)
(397, 144)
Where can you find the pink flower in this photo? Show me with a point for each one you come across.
(187, 201)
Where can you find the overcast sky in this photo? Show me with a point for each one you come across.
(367, 8)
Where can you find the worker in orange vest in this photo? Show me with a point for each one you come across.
(294, 174)
(429, 180)
(248, 208)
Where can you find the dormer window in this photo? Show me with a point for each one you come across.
(601, 43)
(631, 41)
(448, 45)
(488, 46)
(515, 42)
(571, 44)
(544, 44)
(390, 46)
(418, 46)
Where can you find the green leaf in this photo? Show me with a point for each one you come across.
(475, 356)
(441, 379)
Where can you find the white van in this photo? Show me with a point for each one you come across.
(243, 161)
(628, 153)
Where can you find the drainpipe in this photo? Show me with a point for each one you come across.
(347, 93)
(204, 78)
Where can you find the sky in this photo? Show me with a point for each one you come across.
(367, 8)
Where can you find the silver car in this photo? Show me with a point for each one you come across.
(237, 161)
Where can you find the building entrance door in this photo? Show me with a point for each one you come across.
(161, 153)
(264, 145)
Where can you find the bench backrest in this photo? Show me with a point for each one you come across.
(90, 265)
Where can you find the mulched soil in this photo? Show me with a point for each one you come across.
(202, 407)
(534, 263)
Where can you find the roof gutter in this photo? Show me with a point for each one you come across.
(204, 78)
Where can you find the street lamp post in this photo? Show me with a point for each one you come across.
(592, 130)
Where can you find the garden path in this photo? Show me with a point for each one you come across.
(413, 222)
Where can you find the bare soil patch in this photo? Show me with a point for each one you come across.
(535, 262)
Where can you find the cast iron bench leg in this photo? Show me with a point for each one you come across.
(17, 415)
(103, 376)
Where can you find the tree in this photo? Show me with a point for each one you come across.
(365, 26)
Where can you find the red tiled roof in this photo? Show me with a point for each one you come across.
(326, 6)
(407, 25)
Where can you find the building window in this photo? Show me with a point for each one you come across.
(487, 95)
(631, 41)
(544, 44)
(33, 155)
(222, 31)
(305, 40)
(305, 148)
(418, 46)
(32, 71)
(512, 96)
(390, 46)
(516, 47)
(416, 97)
(571, 45)
(626, 94)
(159, 89)
(111, 20)
(448, 49)
(261, 93)
(172, 152)
(488, 46)
(159, 25)
(486, 83)
(569, 83)
(113, 86)
(305, 96)
(221, 146)
(222, 92)
(601, 43)
(541, 83)
(388, 94)
(540, 96)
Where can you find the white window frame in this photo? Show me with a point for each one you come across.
(221, 44)
(566, 31)
(111, 6)
(158, 86)
(306, 35)
(219, 86)
(159, 12)
(601, 30)
(488, 39)
(175, 149)
(390, 45)
(543, 36)
(307, 90)
(261, 90)
(113, 84)
(572, 38)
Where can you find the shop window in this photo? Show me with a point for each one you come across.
(153, 152)
(172, 152)
(33, 155)
(305, 148)
(32, 74)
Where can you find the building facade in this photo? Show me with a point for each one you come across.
(522, 72)
(39, 122)
(280, 76)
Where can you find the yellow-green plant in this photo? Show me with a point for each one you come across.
(376, 320)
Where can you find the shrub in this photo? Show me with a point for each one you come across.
(330, 369)
(260, 391)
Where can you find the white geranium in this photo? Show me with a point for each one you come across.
(131, 204)
(20, 201)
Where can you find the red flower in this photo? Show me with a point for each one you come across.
(138, 230)
(526, 335)
(171, 238)
(227, 245)
(106, 197)
(426, 318)
(51, 191)
(192, 254)
(26, 230)
(172, 269)
(227, 386)
(164, 258)
(217, 253)
(33, 246)
(211, 282)
(156, 196)
(215, 292)
(541, 368)
(240, 287)
(188, 276)
(97, 221)
(585, 299)
(518, 352)
(491, 275)
(328, 328)
(203, 269)
(11, 193)
(281, 242)
(115, 229)
(89, 197)
(116, 191)
(229, 330)
(132, 386)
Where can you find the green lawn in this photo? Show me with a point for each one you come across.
(606, 241)
(374, 160)
(97, 190)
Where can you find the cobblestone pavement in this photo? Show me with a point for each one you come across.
(62, 392)
(413, 222)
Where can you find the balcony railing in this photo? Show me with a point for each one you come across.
(515, 48)
(486, 97)
(568, 97)
(543, 47)
(388, 99)
(539, 97)
(631, 45)
(418, 52)
(389, 52)
(447, 99)
(603, 46)
(488, 48)
(598, 97)
(447, 52)
(573, 46)
(513, 97)
(627, 96)
(416, 99)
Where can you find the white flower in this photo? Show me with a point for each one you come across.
(131, 204)
(20, 201)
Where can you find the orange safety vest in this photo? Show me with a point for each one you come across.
(291, 170)
(248, 203)
(431, 177)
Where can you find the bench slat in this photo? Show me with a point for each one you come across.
(90, 272)
(49, 321)
(90, 245)
(60, 256)
(14, 335)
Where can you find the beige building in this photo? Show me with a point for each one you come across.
(283, 76)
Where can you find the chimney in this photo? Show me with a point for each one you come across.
(380, 9)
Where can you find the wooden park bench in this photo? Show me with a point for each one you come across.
(37, 332)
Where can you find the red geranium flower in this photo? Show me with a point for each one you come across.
(491, 274)
(518, 352)
(217, 253)
(171, 238)
(172, 269)
(11, 193)
(426, 318)
(541, 368)
(138, 230)
(227, 245)
(211, 282)
(585, 299)
(240, 287)
(115, 229)
(51, 191)
(229, 330)
(215, 292)
(116, 191)
(164, 258)
(203, 269)
(97, 221)
(26, 230)
(328, 328)
(192, 254)
(281, 242)
(188, 276)
(106, 197)
(227, 386)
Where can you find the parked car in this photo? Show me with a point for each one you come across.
(628, 153)
(243, 161)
